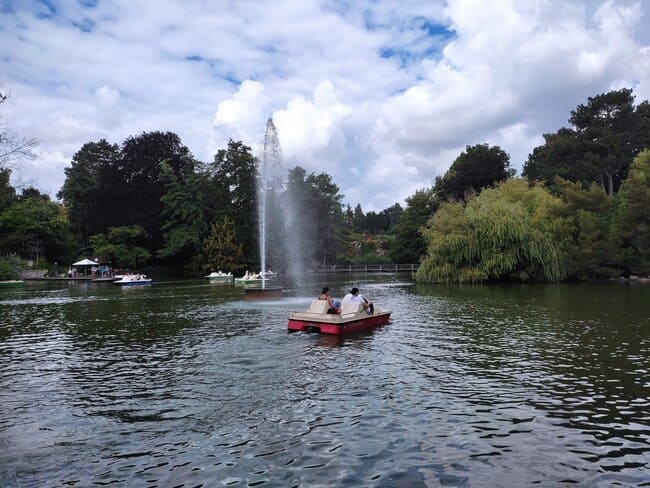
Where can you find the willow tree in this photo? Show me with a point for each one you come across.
(512, 231)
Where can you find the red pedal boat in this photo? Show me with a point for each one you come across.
(351, 319)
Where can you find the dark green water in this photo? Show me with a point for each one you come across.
(186, 384)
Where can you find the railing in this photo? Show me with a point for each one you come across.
(367, 268)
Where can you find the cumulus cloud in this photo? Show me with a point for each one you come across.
(306, 128)
(522, 77)
(381, 95)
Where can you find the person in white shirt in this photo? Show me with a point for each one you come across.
(354, 297)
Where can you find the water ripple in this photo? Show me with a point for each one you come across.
(189, 385)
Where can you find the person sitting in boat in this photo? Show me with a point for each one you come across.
(325, 295)
(355, 297)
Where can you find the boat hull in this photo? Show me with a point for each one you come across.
(11, 283)
(341, 327)
(134, 283)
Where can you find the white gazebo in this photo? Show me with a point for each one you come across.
(85, 262)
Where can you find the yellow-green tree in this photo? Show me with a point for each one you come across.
(221, 250)
(513, 231)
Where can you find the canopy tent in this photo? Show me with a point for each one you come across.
(85, 262)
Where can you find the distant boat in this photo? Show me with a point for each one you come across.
(268, 274)
(11, 283)
(220, 277)
(133, 280)
(249, 278)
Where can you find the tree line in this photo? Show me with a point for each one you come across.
(580, 211)
(149, 200)
(577, 212)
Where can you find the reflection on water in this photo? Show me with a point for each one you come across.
(187, 384)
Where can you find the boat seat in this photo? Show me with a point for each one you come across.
(318, 306)
(351, 307)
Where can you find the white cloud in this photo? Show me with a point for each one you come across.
(306, 128)
(540, 62)
(381, 95)
(242, 116)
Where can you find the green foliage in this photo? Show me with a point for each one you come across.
(633, 216)
(106, 187)
(234, 172)
(320, 215)
(608, 132)
(32, 227)
(7, 192)
(478, 167)
(373, 222)
(10, 267)
(183, 215)
(561, 155)
(593, 250)
(409, 245)
(512, 231)
(121, 246)
(90, 190)
(221, 250)
(140, 171)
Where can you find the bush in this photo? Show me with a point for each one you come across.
(9, 268)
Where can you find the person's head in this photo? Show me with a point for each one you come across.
(326, 290)
(354, 291)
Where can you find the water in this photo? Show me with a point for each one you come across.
(186, 384)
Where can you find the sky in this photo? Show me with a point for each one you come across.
(382, 95)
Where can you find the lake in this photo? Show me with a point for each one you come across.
(186, 384)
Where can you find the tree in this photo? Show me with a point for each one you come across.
(12, 147)
(122, 246)
(633, 216)
(393, 216)
(593, 253)
(183, 224)
(140, 171)
(90, 190)
(319, 216)
(359, 219)
(7, 192)
(561, 155)
(478, 167)
(348, 216)
(325, 199)
(234, 172)
(605, 124)
(221, 250)
(409, 245)
(32, 227)
(608, 131)
(512, 231)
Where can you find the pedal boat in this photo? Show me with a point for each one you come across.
(351, 319)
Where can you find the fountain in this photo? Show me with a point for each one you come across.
(269, 210)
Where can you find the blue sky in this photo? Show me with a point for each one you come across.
(382, 95)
